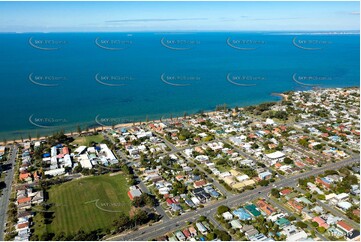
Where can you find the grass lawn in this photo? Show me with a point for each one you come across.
(223, 168)
(89, 203)
(86, 140)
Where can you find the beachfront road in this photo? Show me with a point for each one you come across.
(4, 199)
(161, 228)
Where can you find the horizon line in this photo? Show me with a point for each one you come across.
(187, 31)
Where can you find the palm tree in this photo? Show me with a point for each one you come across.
(79, 129)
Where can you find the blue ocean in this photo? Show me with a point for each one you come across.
(54, 81)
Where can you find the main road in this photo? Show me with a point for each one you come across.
(161, 228)
(5, 197)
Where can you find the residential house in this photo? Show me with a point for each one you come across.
(295, 205)
(342, 225)
(265, 207)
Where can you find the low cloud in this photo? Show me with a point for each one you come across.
(153, 20)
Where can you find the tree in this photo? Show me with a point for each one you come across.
(122, 221)
(222, 209)
(211, 236)
(222, 235)
(263, 183)
(288, 161)
(302, 225)
(314, 224)
(143, 199)
(321, 230)
(303, 142)
(78, 129)
(78, 169)
(292, 218)
(275, 193)
(139, 216)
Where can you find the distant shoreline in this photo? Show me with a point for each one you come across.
(283, 95)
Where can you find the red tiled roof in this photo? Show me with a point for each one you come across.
(294, 204)
(200, 183)
(65, 150)
(24, 200)
(169, 201)
(285, 191)
(321, 222)
(23, 176)
(23, 225)
(344, 225)
(268, 209)
(299, 164)
(186, 233)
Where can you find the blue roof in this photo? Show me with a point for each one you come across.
(214, 193)
(325, 180)
(46, 155)
(242, 214)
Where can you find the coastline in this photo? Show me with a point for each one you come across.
(283, 96)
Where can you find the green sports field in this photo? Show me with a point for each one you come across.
(88, 204)
(86, 140)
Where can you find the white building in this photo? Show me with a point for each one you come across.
(84, 161)
(227, 216)
(55, 172)
(67, 161)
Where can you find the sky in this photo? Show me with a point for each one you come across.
(178, 16)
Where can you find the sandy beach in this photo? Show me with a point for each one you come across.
(125, 125)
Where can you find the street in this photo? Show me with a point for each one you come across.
(4, 199)
(162, 228)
